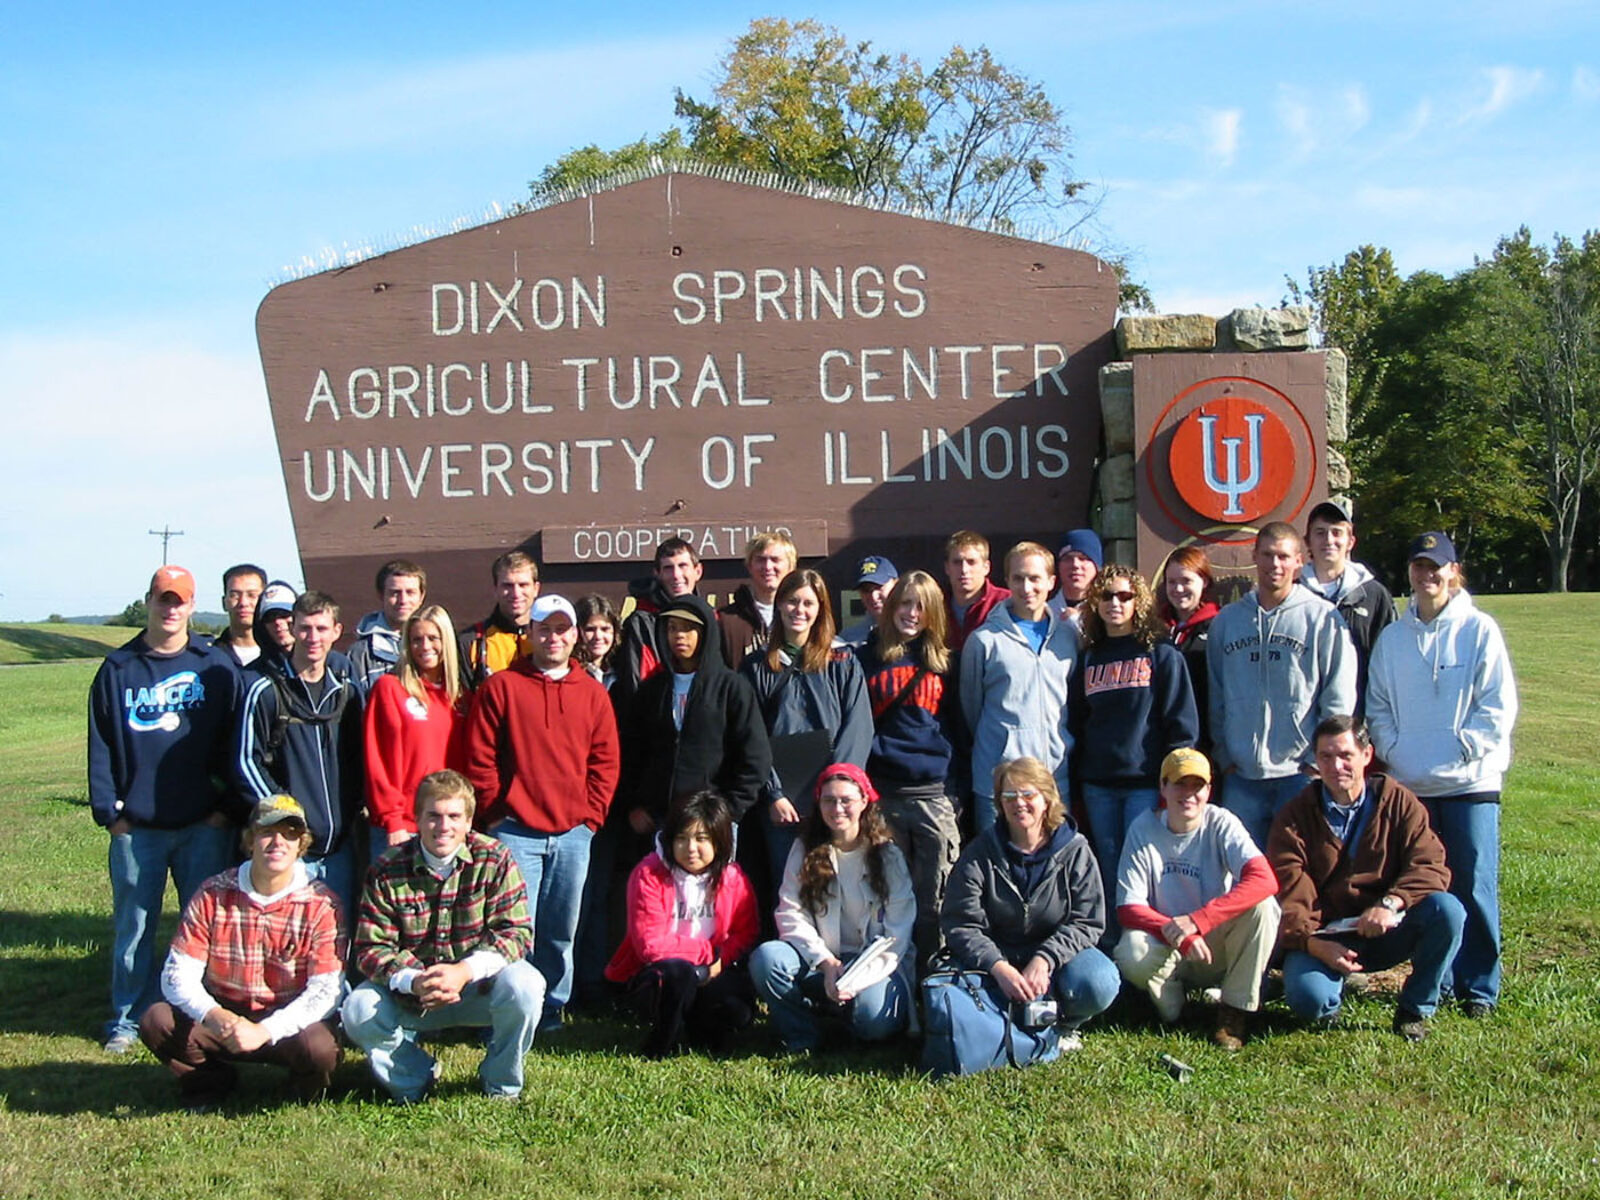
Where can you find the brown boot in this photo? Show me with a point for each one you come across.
(1232, 1026)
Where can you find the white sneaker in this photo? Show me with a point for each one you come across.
(1070, 1041)
(1169, 998)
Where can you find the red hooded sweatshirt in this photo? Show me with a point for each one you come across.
(542, 750)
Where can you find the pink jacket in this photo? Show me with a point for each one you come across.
(652, 904)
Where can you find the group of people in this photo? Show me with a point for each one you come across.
(694, 810)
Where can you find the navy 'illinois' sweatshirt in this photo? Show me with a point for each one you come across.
(1128, 705)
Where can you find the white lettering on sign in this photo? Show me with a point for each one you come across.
(799, 294)
(994, 452)
(872, 375)
(546, 304)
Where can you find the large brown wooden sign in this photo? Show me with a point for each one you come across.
(683, 356)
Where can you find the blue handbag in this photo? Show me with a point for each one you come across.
(968, 1028)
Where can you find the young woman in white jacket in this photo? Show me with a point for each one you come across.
(845, 912)
(1441, 702)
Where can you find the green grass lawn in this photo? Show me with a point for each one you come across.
(1505, 1107)
(44, 642)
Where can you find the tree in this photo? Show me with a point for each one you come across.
(136, 615)
(1347, 303)
(969, 140)
(588, 163)
(1549, 311)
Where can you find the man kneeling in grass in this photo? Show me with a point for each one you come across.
(254, 969)
(1195, 901)
(442, 936)
(1363, 885)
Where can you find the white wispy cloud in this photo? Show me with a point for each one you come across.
(1506, 86)
(1220, 128)
(1586, 84)
(1311, 121)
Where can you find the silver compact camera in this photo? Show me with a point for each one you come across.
(1034, 1014)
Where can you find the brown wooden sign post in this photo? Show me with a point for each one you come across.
(683, 356)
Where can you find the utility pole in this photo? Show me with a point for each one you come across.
(166, 534)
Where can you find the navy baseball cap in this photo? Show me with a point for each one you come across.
(1434, 546)
(876, 569)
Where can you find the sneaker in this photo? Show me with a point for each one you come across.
(1232, 1028)
(120, 1042)
(1169, 998)
(1409, 1025)
(1070, 1041)
(1332, 1021)
(1476, 1010)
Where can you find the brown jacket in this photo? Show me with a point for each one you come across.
(1397, 854)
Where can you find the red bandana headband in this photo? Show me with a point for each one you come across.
(854, 774)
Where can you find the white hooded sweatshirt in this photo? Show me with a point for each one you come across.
(1441, 700)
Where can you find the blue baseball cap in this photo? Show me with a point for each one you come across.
(1434, 546)
(876, 569)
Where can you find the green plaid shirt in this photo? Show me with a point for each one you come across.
(410, 918)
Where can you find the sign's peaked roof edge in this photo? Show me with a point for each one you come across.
(348, 255)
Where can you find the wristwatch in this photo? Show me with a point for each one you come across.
(1392, 903)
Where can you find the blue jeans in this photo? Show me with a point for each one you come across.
(338, 871)
(779, 839)
(509, 1004)
(1469, 827)
(1085, 987)
(1111, 810)
(554, 867)
(1428, 936)
(778, 972)
(1257, 801)
(138, 862)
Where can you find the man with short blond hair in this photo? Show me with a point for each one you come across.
(442, 937)
(745, 620)
(161, 719)
(1015, 673)
(501, 638)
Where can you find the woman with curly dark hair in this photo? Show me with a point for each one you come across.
(1128, 704)
(845, 912)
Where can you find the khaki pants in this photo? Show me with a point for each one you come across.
(1240, 951)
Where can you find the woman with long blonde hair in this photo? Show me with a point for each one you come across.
(411, 724)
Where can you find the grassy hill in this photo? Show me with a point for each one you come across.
(44, 642)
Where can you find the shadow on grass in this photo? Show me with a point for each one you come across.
(123, 1089)
(56, 973)
(41, 645)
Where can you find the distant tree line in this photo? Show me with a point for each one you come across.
(1475, 405)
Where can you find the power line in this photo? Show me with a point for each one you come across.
(166, 534)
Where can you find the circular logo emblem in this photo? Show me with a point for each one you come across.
(1232, 459)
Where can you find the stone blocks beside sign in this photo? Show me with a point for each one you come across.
(1338, 396)
(1151, 335)
(1116, 407)
(1271, 328)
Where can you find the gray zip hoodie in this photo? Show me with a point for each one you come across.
(1273, 676)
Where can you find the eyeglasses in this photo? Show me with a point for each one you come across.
(1123, 597)
(1029, 794)
(289, 831)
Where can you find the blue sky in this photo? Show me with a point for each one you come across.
(163, 172)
